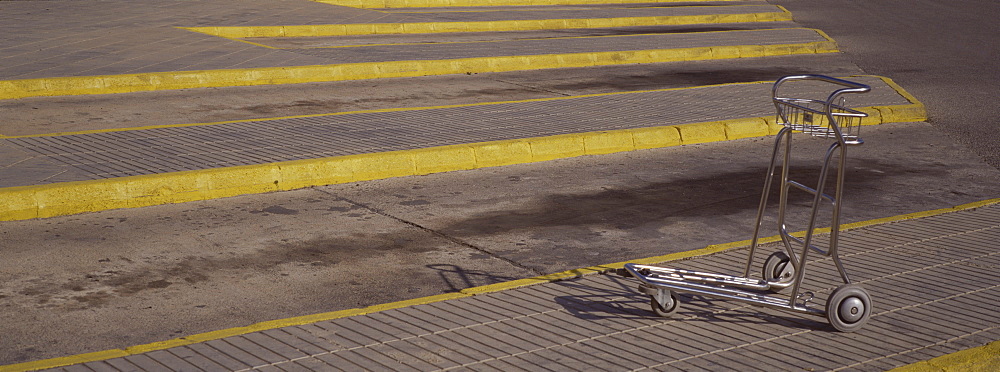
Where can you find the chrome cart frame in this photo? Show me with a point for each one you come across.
(849, 306)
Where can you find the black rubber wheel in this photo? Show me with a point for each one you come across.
(662, 311)
(773, 266)
(848, 308)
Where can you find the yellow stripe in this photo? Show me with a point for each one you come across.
(380, 4)
(109, 84)
(239, 32)
(967, 357)
(915, 111)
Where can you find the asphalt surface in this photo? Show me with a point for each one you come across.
(946, 53)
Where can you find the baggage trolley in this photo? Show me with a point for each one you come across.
(849, 306)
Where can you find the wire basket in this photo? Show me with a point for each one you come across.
(820, 118)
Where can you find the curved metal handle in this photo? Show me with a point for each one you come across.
(851, 87)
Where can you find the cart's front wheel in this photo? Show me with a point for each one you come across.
(777, 269)
(848, 308)
(665, 310)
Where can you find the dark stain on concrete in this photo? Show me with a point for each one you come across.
(91, 300)
(277, 209)
(97, 289)
(415, 202)
(683, 78)
(158, 284)
(641, 210)
(305, 106)
(665, 30)
(458, 278)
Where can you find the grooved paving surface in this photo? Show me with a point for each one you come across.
(49, 159)
(378, 53)
(601, 322)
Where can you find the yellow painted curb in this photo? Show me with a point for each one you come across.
(984, 358)
(67, 198)
(383, 4)
(110, 84)
(960, 360)
(915, 111)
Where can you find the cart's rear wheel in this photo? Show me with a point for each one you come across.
(848, 308)
(776, 269)
(665, 310)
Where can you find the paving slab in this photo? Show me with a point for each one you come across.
(555, 326)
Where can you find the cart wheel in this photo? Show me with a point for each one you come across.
(665, 311)
(848, 308)
(773, 267)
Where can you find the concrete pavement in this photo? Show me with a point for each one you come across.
(924, 271)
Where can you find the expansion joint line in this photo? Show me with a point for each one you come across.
(435, 232)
